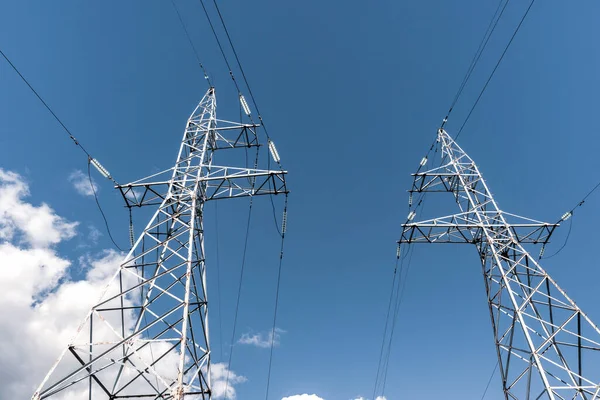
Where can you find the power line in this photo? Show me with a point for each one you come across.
(187, 34)
(218, 277)
(282, 233)
(99, 207)
(212, 28)
(480, 49)
(71, 136)
(399, 298)
(495, 68)
(237, 305)
(490, 380)
(77, 143)
(566, 216)
(387, 320)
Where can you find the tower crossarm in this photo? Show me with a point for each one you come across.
(547, 347)
(463, 228)
(218, 183)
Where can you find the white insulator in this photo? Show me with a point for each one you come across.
(273, 151)
(423, 161)
(567, 215)
(244, 104)
(131, 235)
(542, 251)
(100, 168)
(398, 252)
(411, 215)
(284, 223)
(410, 199)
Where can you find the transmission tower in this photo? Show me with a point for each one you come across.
(148, 337)
(547, 347)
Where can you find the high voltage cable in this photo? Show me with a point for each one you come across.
(218, 277)
(495, 68)
(241, 68)
(237, 305)
(71, 136)
(284, 220)
(100, 207)
(480, 49)
(187, 34)
(212, 28)
(387, 320)
(490, 380)
(399, 298)
(91, 160)
(282, 233)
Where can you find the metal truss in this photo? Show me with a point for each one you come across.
(147, 337)
(547, 347)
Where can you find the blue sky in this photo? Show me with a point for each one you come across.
(352, 95)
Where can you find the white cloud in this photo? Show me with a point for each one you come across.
(222, 385)
(303, 397)
(262, 339)
(42, 306)
(81, 183)
(377, 398)
(94, 234)
(23, 222)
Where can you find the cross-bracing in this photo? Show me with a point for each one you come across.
(547, 347)
(148, 337)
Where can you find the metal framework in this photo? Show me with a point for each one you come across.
(547, 347)
(147, 337)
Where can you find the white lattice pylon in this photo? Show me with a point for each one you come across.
(147, 337)
(547, 347)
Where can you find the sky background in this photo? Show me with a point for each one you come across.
(352, 94)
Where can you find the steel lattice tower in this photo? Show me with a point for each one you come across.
(546, 346)
(147, 337)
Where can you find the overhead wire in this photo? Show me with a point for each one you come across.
(212, 28)
(490, 380)
(382, 365)
(480, 49)
(92, 185)
(387, 320)
(218, 259)
(281, 231)
(279, 268)
(35, 92)
(568, 215)
(495, 68)
(239, 293)
(90, 159)
(187, 34)
(399, 298)
(237, 304)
